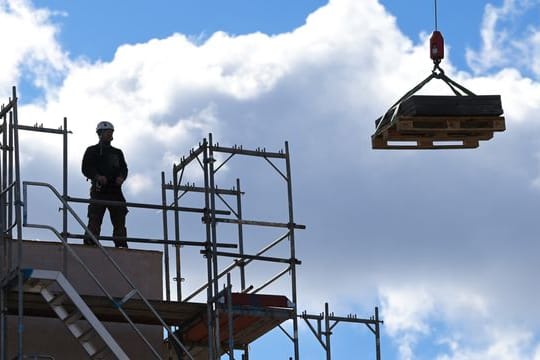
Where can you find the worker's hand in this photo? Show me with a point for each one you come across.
(101, 179)
(119, 180)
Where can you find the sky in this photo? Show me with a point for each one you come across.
(444, 242)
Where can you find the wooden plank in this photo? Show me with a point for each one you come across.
(450, 123)
(412, 143)
(419, 145)
(394, 135)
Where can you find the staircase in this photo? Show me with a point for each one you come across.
(74, 313)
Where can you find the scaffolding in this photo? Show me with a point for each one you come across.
(224, 322)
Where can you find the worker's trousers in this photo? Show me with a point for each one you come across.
(117, 214)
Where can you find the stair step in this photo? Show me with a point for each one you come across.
(128, 296)
(59, 299)
(100, 354)
(36, 284)
(87, 335)
(60, 295)
(73, 317)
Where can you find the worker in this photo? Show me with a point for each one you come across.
(106, 168)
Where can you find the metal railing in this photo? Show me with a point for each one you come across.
(134, 291)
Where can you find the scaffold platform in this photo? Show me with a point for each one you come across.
(252, 316)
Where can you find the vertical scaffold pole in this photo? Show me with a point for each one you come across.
(209, 256)
(18, 217)
(177, 237)
(166, 237)
(293, 252)
(10, 192)
(65, 195)
(214, 243)
(3, 202)
(3, 328)
(230, 316)
(327, 331)
(377, 334)
(3, 226)
(240, 235)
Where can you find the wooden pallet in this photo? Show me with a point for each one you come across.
(440, 122)
(437, 132)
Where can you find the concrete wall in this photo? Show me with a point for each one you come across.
(46, 336)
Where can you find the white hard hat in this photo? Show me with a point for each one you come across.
(104, 125)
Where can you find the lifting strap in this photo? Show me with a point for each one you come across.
(436, 73)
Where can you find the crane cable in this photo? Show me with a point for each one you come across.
(435, 1)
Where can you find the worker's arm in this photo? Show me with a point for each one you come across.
(123, 169)
(89, 164)
(123, 166)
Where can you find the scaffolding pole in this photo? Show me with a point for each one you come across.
(323, 335)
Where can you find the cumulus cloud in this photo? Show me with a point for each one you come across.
(31, 50)
(407, 312)
(461, 224)
(500, 344)
(411, 309)
(138, 183)
(507, 40)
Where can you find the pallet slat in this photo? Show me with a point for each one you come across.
(423, 144)
(447, 123)
(439, 135)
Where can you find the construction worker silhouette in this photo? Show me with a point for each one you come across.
(106, 168)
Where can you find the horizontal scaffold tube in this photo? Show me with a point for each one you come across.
(156, 241)
(144, 206)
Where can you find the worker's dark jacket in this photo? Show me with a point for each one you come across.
(105, 160)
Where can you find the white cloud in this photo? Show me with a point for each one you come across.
(501, 344)
(505, 41)
(406, 313)
(138, 183)
(409, 310)
(29, 46)
(203, 121)
(463, 324)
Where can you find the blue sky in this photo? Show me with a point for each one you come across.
(81, 23)
(141, 21)
(444, 242)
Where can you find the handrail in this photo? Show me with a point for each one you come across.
(111, 260)
(91, 274)
(155, 241)
(143, 206)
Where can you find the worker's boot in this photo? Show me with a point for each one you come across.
(119, 236)
(94, 225)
